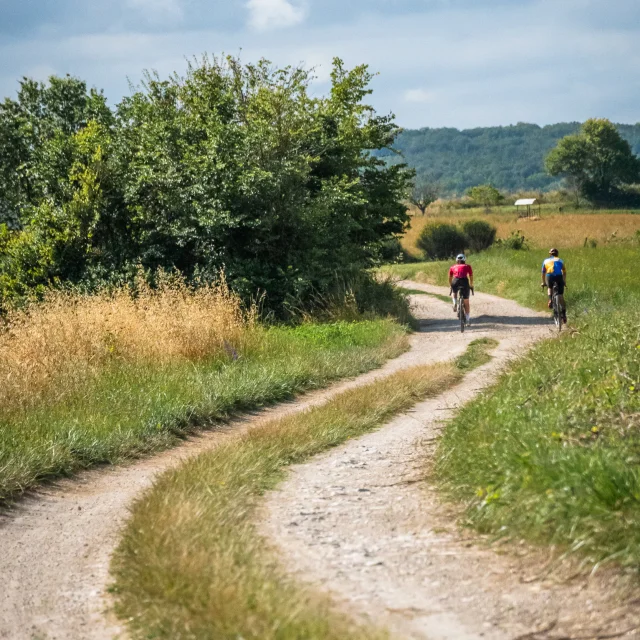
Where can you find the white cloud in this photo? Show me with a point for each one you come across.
(274, 14)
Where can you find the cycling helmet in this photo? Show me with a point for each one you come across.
(553, 252)
(460, 258)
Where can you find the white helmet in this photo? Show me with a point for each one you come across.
(460, 258)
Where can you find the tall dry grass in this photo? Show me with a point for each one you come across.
(51, 348)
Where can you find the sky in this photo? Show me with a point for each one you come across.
(440, 63)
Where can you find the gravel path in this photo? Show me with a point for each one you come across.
(361, 523)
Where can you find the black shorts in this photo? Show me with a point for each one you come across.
(559, 280)
(463, 285)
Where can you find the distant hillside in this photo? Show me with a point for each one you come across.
(509, 158)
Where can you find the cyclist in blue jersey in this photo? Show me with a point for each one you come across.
(554, 272)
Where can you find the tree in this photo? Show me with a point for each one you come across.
(235, 167)
(423, 193)
(597, 160)
(485, 195)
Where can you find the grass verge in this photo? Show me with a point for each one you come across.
(131, 407)
(476, 355)
(190, 563)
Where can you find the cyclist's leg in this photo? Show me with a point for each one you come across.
(560, 283)
(549, 280)
(466, 292)
(454, 294)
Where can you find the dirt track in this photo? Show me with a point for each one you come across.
(57, 543)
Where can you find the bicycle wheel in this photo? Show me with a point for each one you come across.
(461, 315)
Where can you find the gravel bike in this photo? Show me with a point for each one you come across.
(556, 307)
(461, 314)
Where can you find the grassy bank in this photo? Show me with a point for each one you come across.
(95, 379)
(553, 453)
(190, 564)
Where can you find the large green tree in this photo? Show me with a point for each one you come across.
(597, 160)
(234, 167)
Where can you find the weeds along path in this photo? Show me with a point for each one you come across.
(360, 522)
(57, 542)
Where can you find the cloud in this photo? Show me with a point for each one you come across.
(265, 15)
(464, 63)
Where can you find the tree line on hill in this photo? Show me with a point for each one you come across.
(233, 167)
(510, 158)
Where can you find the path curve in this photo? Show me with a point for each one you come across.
(361, 523)
(56, 543)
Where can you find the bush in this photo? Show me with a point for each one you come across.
(440, 240)
(515, 241)
(480, 234)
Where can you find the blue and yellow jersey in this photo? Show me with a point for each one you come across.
(552, 266)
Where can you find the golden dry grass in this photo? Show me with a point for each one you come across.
(51, 348)
(564, 230)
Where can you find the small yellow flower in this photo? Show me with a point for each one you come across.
(595, 429)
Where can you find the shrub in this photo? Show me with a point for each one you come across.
(480, 234)
(440, 240)
(515, 241)
(391, 250)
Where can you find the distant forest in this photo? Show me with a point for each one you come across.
(509, 158)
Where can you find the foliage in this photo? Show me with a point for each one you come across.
(485, 195)
(424, 193)
(441, 240)
(597, 160)
(480, 234)
(511, 158)
(514, 241)
(212, 170)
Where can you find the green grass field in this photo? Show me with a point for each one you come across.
(553, 453)
(133, 408)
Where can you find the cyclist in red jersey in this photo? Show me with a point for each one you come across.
(461, 277)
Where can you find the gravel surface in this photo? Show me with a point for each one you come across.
(361, 523)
